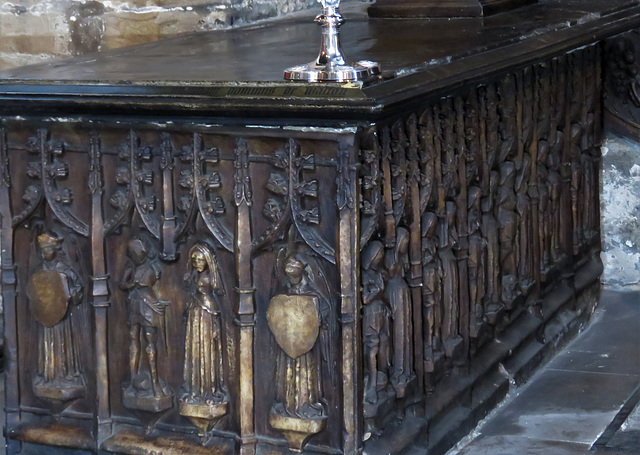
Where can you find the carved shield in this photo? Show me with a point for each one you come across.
(295, 323)
(48, 292)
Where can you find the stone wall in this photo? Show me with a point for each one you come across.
(32, 31)
(620, 210)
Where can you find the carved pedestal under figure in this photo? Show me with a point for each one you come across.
(146, 391)
(205, 399)
(295, 318)
(51, 288)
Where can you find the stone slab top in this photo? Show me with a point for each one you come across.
(238, 72)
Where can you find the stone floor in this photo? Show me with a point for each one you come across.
(584, 401)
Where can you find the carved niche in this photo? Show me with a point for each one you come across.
(146, 390)
(298, 316)
(53, 290)
(205, 396)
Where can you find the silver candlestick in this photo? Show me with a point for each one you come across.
(331, 66)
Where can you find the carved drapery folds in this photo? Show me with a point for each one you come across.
(192, 352)
(299, 317)
(227, 287)
(54, 288)
(205, 397)
(506, 185)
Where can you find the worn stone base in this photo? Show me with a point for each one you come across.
(51, 438)
(462, 399)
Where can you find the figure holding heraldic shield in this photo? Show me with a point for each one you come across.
(53, 289)
(299, 320)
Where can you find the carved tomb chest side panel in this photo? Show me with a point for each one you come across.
(183, 284)
(472, 208)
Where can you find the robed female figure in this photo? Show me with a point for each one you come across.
(203, 364)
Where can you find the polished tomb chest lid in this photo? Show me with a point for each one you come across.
(238, 72)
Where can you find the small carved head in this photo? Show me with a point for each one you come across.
(373, 255)
(202, 258)
(402, 241)
(49, 244)
(198, 261)
(397, 259)
(294, 269)
(429, 224)
(137, 251)
(451, 212)
(507, 174)
(474, 196)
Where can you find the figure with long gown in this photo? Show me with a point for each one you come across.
(493, 307)
(398, 295)
(452, 341)
(523, 207)
(53, 289)
(508, 233)
(431, 298)
(205, 397)
(476, 261)
(375, 324)
(299, 318)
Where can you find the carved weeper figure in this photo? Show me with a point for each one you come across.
(51, 289)
(399, 297)
(375, 325)
(477, 262)
(508, 222)
(523, 207)
(296, 317)
(489, 229)
(205, 398)
(431, 298)
(448, 236)
(146, 392)
(548, 205)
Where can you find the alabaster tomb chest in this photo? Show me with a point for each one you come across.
(201, 258)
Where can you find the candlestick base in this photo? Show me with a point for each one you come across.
(313, 72)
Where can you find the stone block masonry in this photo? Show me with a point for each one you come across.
(32, 31)
(620, 202)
